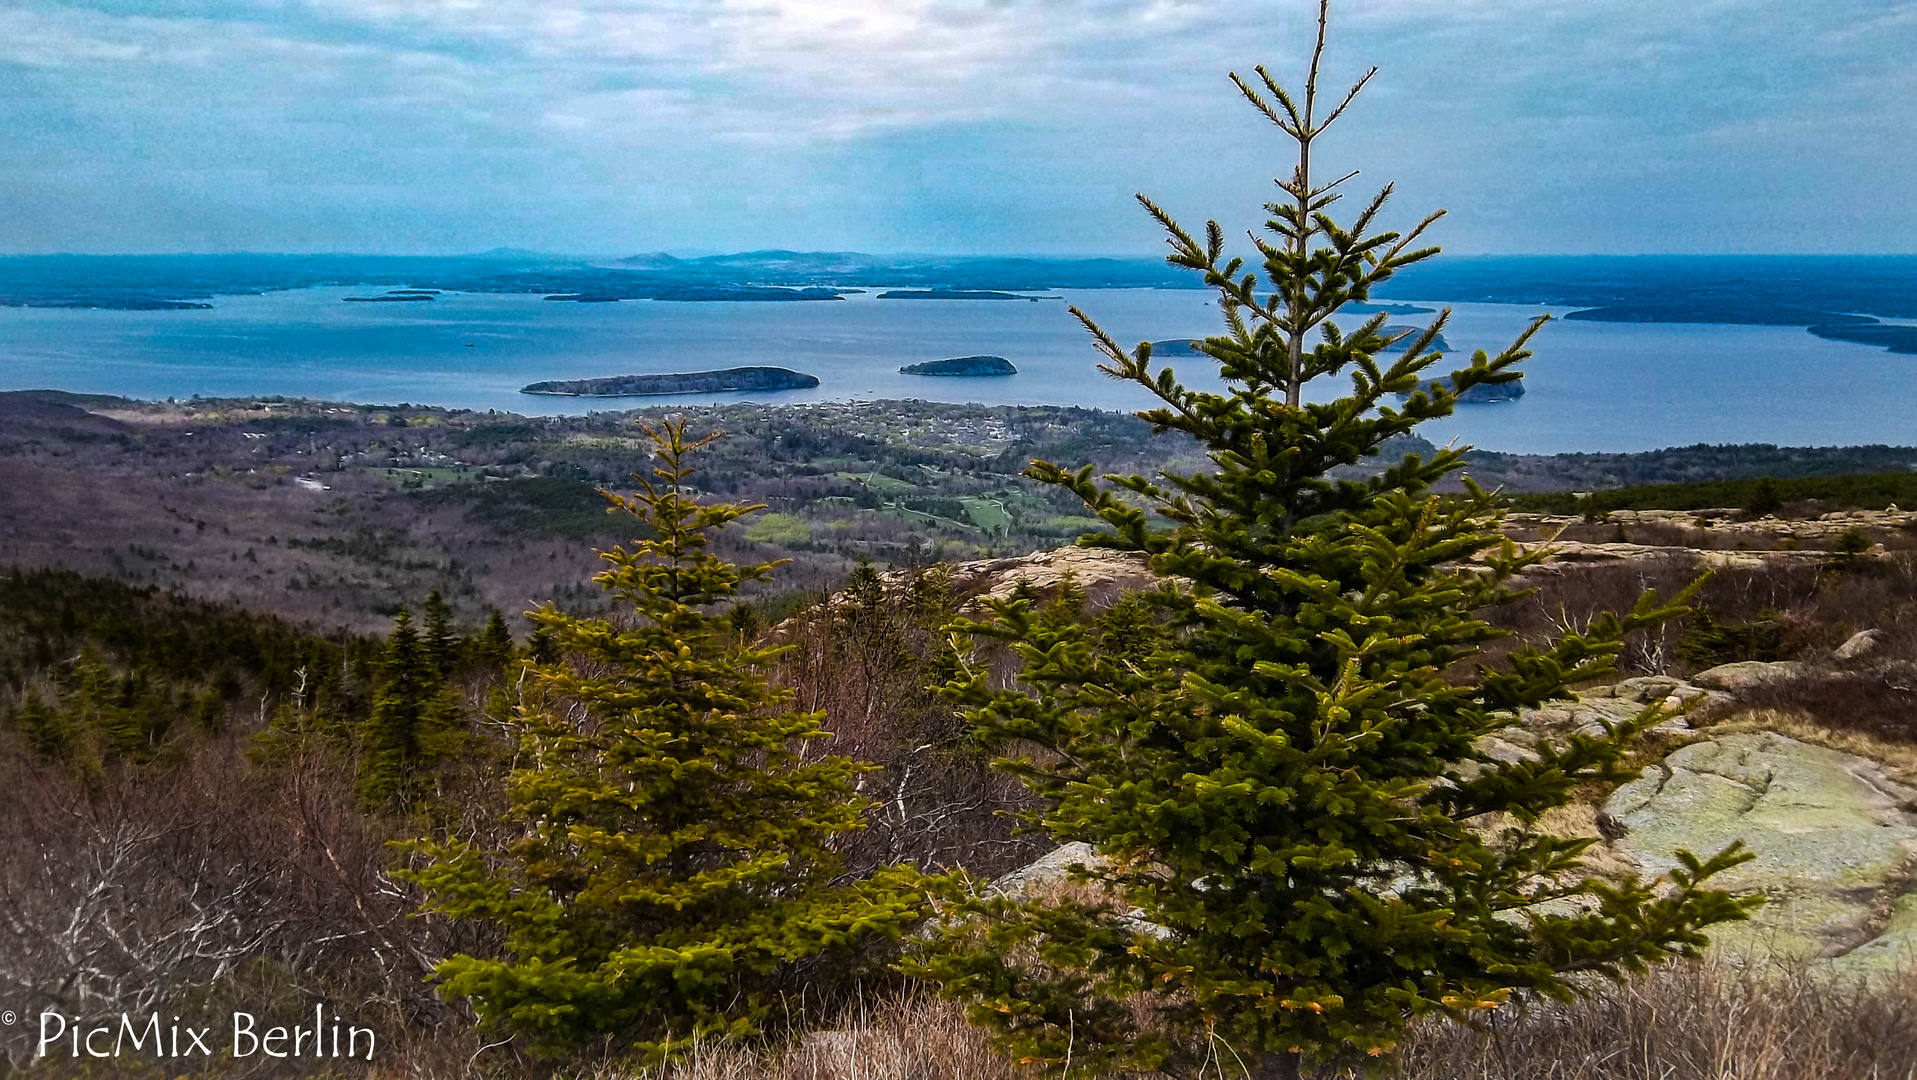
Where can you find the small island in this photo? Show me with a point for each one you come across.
(119, 303)
(391, 298)
(690, 382)
(1482, 393)
(1361, 307)
(1178, 346)
(1897, 339)
(954, 294)
(969, 366)
(1407, 335)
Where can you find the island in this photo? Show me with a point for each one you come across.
(1482, 393)
(970, 366)
(1360, 307)
(1177, 346)
(401, 298)
(956, 294)
(690, 382)
(1895, 338)
(1405, 335)
(127, 303)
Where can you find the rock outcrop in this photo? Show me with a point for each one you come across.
(1835, 840)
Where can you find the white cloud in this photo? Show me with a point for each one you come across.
(1528, 104)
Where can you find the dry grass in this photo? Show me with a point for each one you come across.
(916, 1037)
(1692, 1022)
(1899, 758)
(1708, 1021)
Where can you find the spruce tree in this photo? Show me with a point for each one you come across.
(674, 825)
(1301, 846)
(413, 727)
(494, 647)
(438, 637)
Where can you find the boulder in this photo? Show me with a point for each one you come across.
(1860, 644)
(1835, 841)
(1747, 674)
(1052, 868)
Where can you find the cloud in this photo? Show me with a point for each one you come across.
(1547, 124)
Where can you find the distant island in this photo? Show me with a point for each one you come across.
(1482, 393)
(1897, 339)
(1182, 346)
(1187, 346)
(973, 366)
(390, 298)
(1438, 343)
(691, 382)
(118, 303)
(1360, 307)
(699, 293)
(1728, 312)
(954, 294)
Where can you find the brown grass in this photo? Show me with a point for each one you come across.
(1705, 1021)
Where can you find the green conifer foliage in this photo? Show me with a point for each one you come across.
(414, 725)
(494, 647)
(674, 822)
(1301, 845)
(47, 733)
(438, 637)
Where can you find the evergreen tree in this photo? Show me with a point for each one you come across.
(494, 646)
(1766, 498)
(438, 637)
(1301, 846)
(414, 725)
(46, 731)
(674, 824)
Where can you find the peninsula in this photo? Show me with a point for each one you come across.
(972, 366)
(691, 382)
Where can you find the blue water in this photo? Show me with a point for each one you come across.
(1593, 386)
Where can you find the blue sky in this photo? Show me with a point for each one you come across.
(618, 126)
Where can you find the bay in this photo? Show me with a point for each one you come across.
(1592, 387)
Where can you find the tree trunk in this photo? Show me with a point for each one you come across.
(1286, 1066)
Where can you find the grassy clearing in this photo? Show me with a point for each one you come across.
(987, 514)
(879, 482)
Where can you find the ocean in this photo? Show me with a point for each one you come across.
(1593, 386)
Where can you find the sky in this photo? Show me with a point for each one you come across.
(940, 126)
